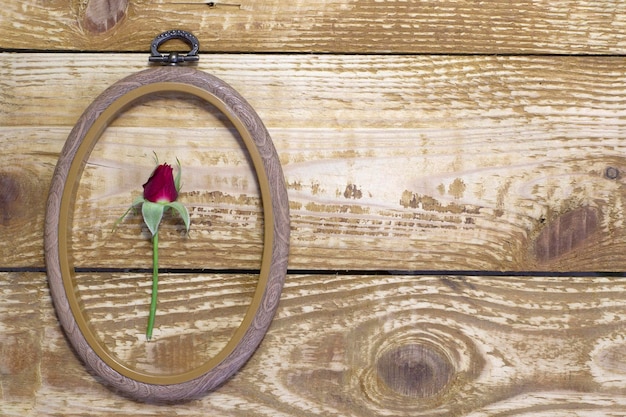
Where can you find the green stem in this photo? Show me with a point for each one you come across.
(155, 284)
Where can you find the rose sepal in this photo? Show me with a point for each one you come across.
(152, 214)
(138, 200)
(177, 183)
(181, 210)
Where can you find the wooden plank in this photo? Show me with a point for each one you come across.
(355, 26)
(393, 163)
(349, 346)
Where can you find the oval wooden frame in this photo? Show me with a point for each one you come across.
(80, 142)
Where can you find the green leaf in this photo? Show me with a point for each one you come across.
(152, 214)
(182, 210)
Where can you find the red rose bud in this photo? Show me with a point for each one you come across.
(160, 187)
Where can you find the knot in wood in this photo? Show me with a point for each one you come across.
(566, 233)
(611, 173)
(10, 192)
(415, 370)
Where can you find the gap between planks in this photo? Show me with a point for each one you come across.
(343, 272)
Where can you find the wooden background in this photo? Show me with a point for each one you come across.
(456, 174)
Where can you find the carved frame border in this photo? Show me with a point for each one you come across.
(80, 142)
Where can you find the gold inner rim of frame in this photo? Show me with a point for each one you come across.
(73, 178)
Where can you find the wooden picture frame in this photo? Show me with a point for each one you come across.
(81, 140)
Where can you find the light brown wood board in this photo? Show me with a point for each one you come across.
(392, 162)
(427, 145)
(337, 26)
(343, 345)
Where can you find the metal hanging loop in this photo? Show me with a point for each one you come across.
(174, 58)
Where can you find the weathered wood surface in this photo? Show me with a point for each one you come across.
(342, 345)
(370, 26)
(392, 163)
(396, 160)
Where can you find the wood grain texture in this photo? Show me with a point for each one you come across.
(344, 345)
(371, 26)
(392, 163)
(395, 160)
